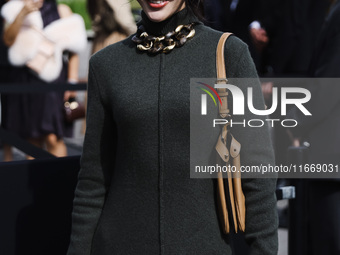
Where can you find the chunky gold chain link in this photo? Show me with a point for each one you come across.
(166, 43)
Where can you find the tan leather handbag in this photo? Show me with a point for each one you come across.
(231, 156)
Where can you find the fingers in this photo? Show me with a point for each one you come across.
(259, 37)
(69, 94)
(295, 141)
(39, 3)
(66, 95)
(32, 5)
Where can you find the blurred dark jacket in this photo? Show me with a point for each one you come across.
(295, 25)
(220, 15)
(291, 25)
(323, 128)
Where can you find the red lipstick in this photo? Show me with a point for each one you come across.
(157, 3)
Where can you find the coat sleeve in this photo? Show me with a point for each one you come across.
(97, 162)
(256, 150)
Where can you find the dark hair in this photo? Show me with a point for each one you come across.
(92, 8)
(197, 7)
(107, 22)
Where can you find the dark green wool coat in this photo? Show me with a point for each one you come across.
(135, 194)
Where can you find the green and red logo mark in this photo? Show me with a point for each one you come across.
(209, 93)
(204, 97)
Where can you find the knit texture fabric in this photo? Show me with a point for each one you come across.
(134, 194)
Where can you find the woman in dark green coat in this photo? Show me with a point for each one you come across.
(135, 194)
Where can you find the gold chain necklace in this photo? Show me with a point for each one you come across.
(166, 43)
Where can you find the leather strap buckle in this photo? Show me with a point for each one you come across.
(221, 80)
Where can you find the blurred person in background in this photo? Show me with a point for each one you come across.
(291, 27)
(322, 131)
(112, 21)
(5, 68)
(4, 64)
(279, 33)
(286, 32)
(236, 16)
(39, 117)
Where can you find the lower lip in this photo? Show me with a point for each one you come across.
(157, 6)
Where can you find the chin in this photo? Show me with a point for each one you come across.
(161, 12)
(157, 16)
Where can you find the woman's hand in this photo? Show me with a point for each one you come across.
(11, 32)
(69, 94)
(260, 38)
(295, 141)
(31, 6)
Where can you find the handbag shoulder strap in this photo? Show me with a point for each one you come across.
(221, 75)
(236, 195)
(220, 65)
